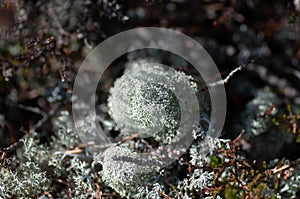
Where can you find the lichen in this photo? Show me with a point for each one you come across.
(265, 138)
(143, 100)
(255, 117)
(126, 172)
(36, 165)
(29, 179)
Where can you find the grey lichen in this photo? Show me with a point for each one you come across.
(259, 127)
(146, 100)
(202, 149)
(126, 172)
(143, 100)
(200, 154)
(64, 131)
(197, 181)
(29, 179)
(256, 119)
(36, 165)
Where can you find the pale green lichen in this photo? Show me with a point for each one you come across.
(256, 119)
(127, 172)
(200, 151)
(29, 179)
(198, 180)
(143, 100)
(65, 137)
(36, 165)
(200, 156)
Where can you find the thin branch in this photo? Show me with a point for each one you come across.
(276, 170)
(56, 21)
(32, 109)
(131, 137)
(45, 116)
(230, 75)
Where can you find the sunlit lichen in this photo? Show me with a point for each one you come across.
(143, 100)
(126, 172)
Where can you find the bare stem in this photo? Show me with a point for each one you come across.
(224, 81)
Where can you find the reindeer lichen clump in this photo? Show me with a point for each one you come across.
(143, 100)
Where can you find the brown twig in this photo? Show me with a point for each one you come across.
(98, 188)
(164, 195)
(128, 138)
(268, 111)
(276, 170)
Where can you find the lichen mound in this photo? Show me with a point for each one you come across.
(144, 100)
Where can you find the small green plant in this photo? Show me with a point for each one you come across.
(226, 173)
(289, 121)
